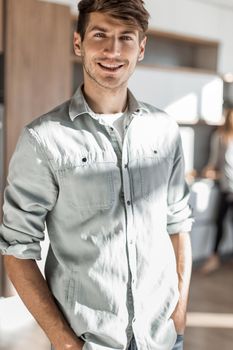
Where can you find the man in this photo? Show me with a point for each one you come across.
(106, 174)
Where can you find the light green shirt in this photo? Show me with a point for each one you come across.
(109, 212)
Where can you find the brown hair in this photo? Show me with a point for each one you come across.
(227, 128)
(131, 12)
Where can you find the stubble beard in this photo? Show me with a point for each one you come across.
(108, 83)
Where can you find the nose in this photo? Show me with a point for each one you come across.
(112, 48)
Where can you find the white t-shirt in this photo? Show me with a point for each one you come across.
(116, 120)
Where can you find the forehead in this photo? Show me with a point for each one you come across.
(110, 23)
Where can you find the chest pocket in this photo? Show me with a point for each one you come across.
(89, 183)
(150, 175)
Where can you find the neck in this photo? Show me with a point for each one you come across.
(104, 100)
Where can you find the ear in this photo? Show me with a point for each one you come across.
(142, 48)
(77, 44)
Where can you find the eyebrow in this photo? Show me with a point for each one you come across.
(97, 28)
(104, 30)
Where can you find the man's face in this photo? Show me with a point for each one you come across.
(109, 51)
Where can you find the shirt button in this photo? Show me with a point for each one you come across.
(111, 128)
(131, 241)
(126, 166)
(134, 319)
(84, 160)
(126, 127)
(129, 202)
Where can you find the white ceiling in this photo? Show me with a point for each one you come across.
(219, 3)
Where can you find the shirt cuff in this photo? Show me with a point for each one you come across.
(21, 251)
(184, 226)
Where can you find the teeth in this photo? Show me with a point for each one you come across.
(112, 66)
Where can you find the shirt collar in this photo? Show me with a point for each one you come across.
(78, 105)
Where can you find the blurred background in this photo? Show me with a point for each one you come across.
(188, 71)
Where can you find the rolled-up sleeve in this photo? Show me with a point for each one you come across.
(30, 193)
(179, 214)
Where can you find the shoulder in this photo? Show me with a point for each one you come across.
(150, 108)
(55, 116)
(159, 127)
(47, 126)
(160, 116)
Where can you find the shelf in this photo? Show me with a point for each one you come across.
(183, 38)
(172, 50)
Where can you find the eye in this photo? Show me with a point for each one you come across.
(126, 38)
(99, 35)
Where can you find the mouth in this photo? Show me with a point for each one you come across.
(112, 68)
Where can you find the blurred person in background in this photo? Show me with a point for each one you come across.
(105, 172)
(220, 168)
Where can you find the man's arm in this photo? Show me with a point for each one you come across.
(33, 290)
(182, 248)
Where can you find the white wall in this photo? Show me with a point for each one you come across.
(185, 96)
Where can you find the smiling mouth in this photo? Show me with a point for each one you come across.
(110, 67)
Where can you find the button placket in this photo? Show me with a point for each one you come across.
(129, 214)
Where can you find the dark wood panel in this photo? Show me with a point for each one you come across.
(38, 70)
(37, 66)
(1, 26)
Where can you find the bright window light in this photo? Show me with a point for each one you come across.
(185, 109)
(210, 110)
(202, 190)
(187, 136)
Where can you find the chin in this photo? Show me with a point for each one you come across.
(110, 83)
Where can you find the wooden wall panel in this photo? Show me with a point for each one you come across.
(1, 26)
(38, 70)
